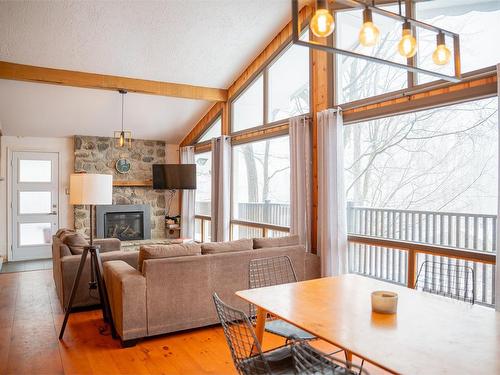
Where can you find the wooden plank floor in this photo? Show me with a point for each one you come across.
(30, 318)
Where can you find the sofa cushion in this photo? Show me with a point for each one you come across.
(167, 251)
(75, 241)
(224, 247)
(260, 243)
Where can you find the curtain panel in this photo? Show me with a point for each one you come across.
(332, 230)
(188, 198)
(221, 188)
(300, 179)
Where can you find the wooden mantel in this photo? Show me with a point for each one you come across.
(133, 183)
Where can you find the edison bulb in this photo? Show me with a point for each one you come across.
(322, 24)
(369, 34)
(441, 55)
(122, 139)
(407, 45)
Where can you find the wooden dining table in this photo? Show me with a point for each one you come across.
(429, 334)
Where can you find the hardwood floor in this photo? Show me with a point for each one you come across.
(30, 319)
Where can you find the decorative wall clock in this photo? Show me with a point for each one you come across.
(122, 166)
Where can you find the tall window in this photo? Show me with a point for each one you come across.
(428, 177)
(285, 86)
(203, 196)
(213, 131)
(261, 185)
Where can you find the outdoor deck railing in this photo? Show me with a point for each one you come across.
(380, 247)
(391, 244)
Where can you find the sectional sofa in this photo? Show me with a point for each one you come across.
(172, 287)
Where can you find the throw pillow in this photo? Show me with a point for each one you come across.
(224, 247)
(167, 251)
(260, 243)
(75, 241)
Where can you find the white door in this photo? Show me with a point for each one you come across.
(34, 203)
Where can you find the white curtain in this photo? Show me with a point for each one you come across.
(332, 231)
(300, 179)
(497, 269)
(188, 198)
(221, 187)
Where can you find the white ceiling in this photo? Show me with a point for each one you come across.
(199, 42)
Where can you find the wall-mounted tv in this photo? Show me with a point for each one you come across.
(174, 176)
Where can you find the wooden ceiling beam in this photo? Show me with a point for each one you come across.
(29, 73)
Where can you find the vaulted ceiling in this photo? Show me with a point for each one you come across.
(206, 43)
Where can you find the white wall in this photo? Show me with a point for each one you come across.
(65, 148)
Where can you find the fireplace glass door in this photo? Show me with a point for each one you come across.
(126, 226)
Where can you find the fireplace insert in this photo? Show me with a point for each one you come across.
(125, 222)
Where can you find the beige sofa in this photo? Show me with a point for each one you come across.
(66, 254)
(173, 289)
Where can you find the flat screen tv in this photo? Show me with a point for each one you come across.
(174, 176)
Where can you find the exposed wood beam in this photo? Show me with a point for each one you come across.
(29, 73)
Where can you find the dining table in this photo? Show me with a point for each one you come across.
(429, 334)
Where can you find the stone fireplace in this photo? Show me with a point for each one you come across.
(125, 222)
(99, 155)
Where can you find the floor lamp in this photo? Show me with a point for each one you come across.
(90, 189)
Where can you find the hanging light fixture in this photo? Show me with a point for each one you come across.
(408, 44)
(442, 54)
(369, 34)
(322, 23)
(123, 137)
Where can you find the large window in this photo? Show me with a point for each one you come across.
(427, 177)
(281, 91)
(477, 23)
(213, 131)
(203, 196)
(261, 186)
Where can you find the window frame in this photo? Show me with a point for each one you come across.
(409, 7)
(264, 72)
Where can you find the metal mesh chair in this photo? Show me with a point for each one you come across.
(274, 271)
(446, 279)
(249, 358)
(310, 361)
(245, 348)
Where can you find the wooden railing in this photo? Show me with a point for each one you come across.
(202, 228)
(391, 244)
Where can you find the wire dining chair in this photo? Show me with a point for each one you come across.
(274, 271)
(446, 279)
(249, 359)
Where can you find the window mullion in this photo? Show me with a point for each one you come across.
(265, 95)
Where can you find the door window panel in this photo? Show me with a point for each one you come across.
(34, 234)
(35, 202)
(35, 171)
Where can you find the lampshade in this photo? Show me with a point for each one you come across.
(91, 188)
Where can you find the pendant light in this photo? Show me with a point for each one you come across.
(369, 34)
(322, 23)
(123, 137)
(442, 54)
(408, 44)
